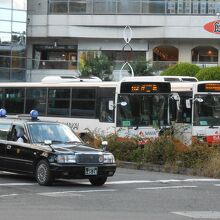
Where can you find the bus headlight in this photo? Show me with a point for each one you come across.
(66, 158)
(109, 158)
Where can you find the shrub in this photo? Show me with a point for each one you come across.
(182, 69)
(212, 166)
(209, 73)
(122, 148)
(160, 150)
(200, 157)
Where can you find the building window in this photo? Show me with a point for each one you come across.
(133, 6)
(204, 54)
(13, 16)
(55, 57)
(165, 56)
(58, 7)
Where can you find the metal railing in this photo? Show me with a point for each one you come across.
(54, 64)
(134, 7)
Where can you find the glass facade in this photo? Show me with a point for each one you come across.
(204, 7)
(13, 20)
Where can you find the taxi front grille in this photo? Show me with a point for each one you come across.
(87, 158)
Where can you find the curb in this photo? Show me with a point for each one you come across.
(156, 168)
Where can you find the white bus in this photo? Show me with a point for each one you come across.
(135, 106)
(195, 113)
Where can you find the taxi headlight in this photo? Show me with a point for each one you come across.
(109, 158)
(62, 158)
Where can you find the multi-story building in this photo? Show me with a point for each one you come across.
(62, 33)
(13, 18)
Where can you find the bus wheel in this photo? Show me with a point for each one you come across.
(98, 181)
(43, 174)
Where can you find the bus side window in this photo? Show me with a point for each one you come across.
(14, 97)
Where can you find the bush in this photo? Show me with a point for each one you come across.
(212, 166)
(157, 151)
(209, 73)
(200, 157)
(194, 156)
(182, 69)
(122, 148)
(160, 150)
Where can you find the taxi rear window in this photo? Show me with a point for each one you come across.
(4, 129)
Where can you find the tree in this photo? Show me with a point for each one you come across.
(99, 66)
(141, 67)
(182, 69)
(209, 73)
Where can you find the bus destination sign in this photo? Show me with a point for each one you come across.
(209, 87)
(145, 87)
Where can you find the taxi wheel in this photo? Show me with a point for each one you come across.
(98, 181)
(43, 174)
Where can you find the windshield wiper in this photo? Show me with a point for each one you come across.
(56, 141)
(72, 142)
(213, 126)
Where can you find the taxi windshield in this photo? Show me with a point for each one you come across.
(56, 133)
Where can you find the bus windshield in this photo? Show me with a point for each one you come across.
(207, 110)
(142, 110)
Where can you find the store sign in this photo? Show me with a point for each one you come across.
(213, 27)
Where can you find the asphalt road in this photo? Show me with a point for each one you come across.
(130, 194)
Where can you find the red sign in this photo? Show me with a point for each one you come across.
(214, 139)
(213, 27)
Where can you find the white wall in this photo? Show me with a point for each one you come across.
(110, 26)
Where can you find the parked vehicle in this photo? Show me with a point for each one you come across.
(50, 150)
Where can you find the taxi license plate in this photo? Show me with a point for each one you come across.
(91, 171)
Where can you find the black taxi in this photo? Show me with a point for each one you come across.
(50, 150)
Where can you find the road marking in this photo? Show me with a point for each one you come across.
(17, 184)
(1, 196)
(200, 215)
(166, 187)
(74, 193)
(161, 181)
(217, 184)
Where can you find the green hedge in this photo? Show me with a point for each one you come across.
(182, 69)
(209, 73)
(201, 158)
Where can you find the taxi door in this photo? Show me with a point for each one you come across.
(2, 154)
(4, 130)
(18, 156)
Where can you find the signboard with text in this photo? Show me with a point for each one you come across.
(213, 27)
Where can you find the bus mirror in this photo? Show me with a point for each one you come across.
(111, 105)
(188, 103)
(175, 96)
(123, 103)
(198, 100)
